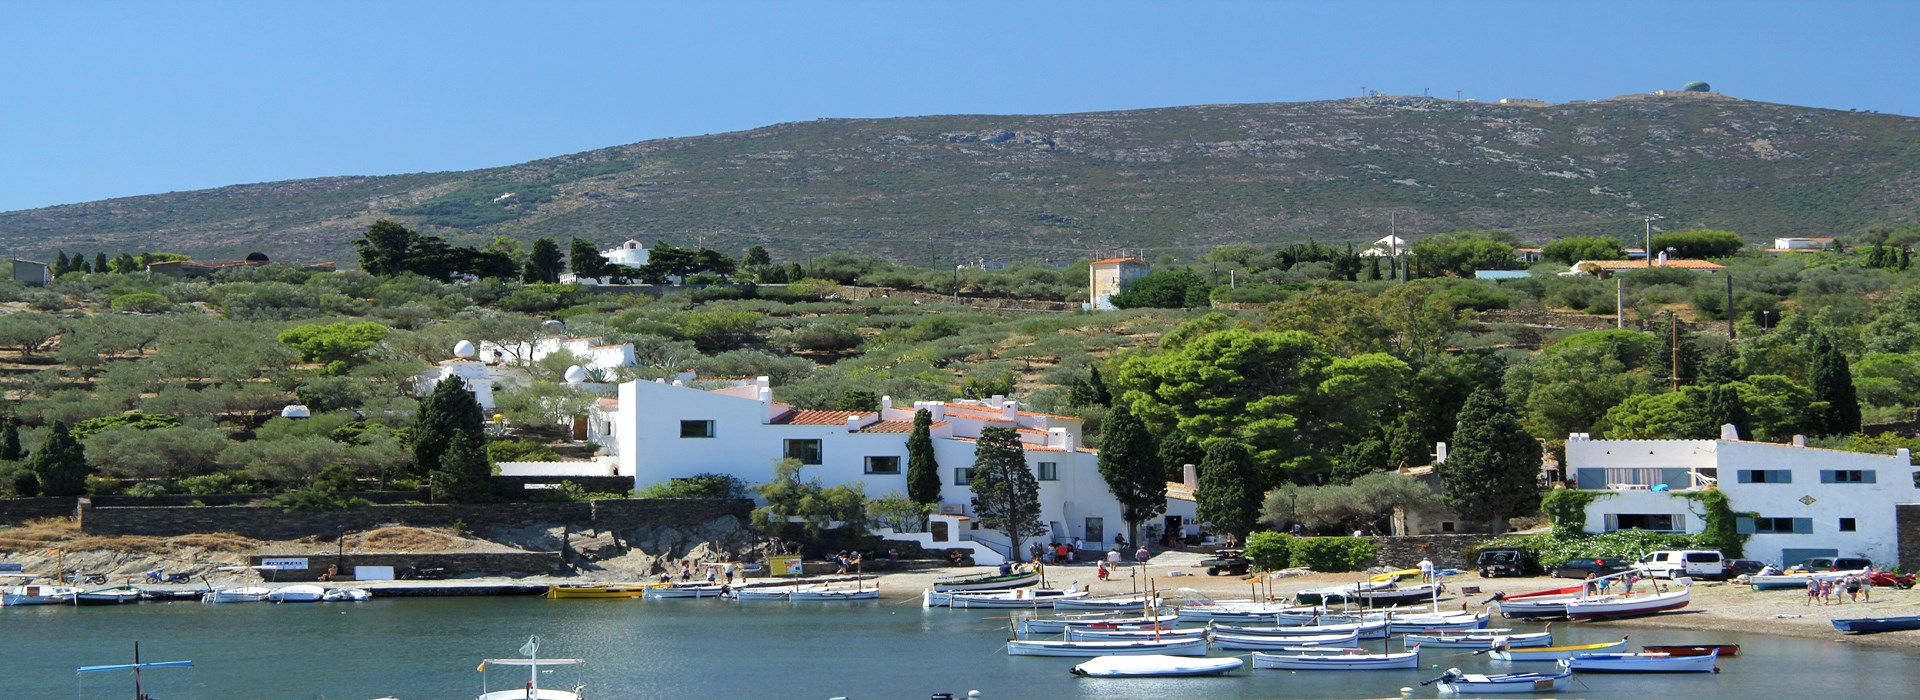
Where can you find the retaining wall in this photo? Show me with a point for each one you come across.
(17, 511)
(1407, 551)
(456, 563)
(277, 523)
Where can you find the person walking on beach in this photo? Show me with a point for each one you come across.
(1100, 570)
(1813, 591)
(1426, 570)
(1866, 586)
(1141, 555)
(1853, 587)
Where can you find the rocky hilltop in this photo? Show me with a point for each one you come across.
(1068, 186)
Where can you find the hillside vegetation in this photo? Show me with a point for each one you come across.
(1065, 187)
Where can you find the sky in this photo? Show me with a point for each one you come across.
(112, 99)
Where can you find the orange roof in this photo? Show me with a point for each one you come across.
(1179, 490)
(1030, 447)
(996, 412)
(607, 402)
(816, 417)
(1639, 264)
(889, 426)
(1112, 261)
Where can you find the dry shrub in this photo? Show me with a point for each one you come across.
(218, 542)
(407, 539)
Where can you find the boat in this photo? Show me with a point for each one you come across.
(38, 594)
(1256, 643)
(531, 690)
(1611, 607)
(1197, 607)
(986, 582)
(136, 667)
(1337, 594)
(236, 594)
(1079, 634)
(1030, 598)
(1366, 630)
(1059, 623)
(1557, 653)
(349, 595)
(1479, 639)
(1724, 650)
(1132, 601)
(1309, 659)
(1392, 576)
(691, 591)
(618, 590)
(170, 594)
(745, 593)
(834, 593)
(1538, 604)
(303, 593)
(1130, 647)
(1776, 582)
(1437, 622)
(1877, 624)
(117, 595)
(1644, 663)
(1455, 682)
(1395, 594)
(1308, 617)
(1154, 666)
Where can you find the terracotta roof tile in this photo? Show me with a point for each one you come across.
(1638, 264)
(1110, 261)
(816, 417)
(888, 426)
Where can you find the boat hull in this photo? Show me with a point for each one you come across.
(1507, 683)
(1366, 630)
(833, 595)
(1724, 650)
(1877, 624)
(1155, 666)
(1107, 604)
(1478, 641)
(1557, 653)
(993, 582)
(114, 597)
(1035, 625)
(1240, 643)
(1643, 663)
(1336, 662)
(1024, 599)
(1629, 606)
(1087, 635)
(571, 592)
(684, 592)
(298, 594)
(1181, 647)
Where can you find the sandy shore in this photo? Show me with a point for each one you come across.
(1715, 605)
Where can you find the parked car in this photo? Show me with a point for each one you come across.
(1734, 568)
(1505, 562)
(1675, 563)
(1579, 567)
(1831, 564)
(1233, 561)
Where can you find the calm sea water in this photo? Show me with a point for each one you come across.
(426, 649)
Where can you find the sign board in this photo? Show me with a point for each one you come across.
(283, 563)
(785, 565)
(373, 573)
(10, 568)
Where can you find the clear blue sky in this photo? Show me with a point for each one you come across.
(108, 99)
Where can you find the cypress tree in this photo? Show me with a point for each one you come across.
(465, 474)
(543, 262)
(584, 258)
(1006, 497)
(60, 463)
(1229, 495)
(450, 410)
(99, 262)
(1099, 386)
(1492, 470)
(1130, 463)
(10, 449)
(1723, 407)
(1831, 380)
(61, 264)
(923, 471)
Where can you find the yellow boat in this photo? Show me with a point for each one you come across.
(623, 590)
(1395, 575)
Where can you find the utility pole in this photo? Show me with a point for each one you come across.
(1619, 302)
(1730, 306)
(1648, 250)
(1673, 341)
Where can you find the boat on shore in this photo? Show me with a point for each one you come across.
(1723, 650)
(833, 593)
(1080, 634)
(534, 665)
(1630, 605)
(236, 594)
(617, 590)
(1550, 603)
(1050, 647)
(1154, 666)
(1437, 622)
(1257, 643)
(1365, 630)
(303, 593)
(38, 594)
(1643, 663)
(1309, 659)
(117, 595)
(1028, 598)
(1777, 582)
(986, 582)
(1863, 625)
(1056, 624)
(1456, 682)
(705, 590)
(1130, 601)
(1394, 594)
(1557, 653)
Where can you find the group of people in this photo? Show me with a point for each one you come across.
(1067, 552)
(1828, 590)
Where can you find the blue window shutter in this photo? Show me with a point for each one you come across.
(1826, 476)
(1744, 526)
(1803, 526)
(1782, 476)
(1746, 476)
(1866, 477)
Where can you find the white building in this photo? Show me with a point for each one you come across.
(1797, 244)
(675, 430)
(1809, 502)
(631, 254)
(1106, 278)
(592, 354)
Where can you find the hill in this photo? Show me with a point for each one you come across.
(925, 189)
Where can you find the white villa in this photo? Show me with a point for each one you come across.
(629, 254)
(1810, 502)
(675, 430)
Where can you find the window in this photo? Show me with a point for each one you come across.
(1648, 521)
(883, 465)
(1049, 471)
(1846, 476)
(1766, 476)
(696, 428)
(807, 451)
(962, 476)
(1774, 526)
(1847, 525)
(1446, 526)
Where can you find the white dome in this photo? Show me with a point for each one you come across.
(554, 326)
(576, 374)
(295, 411)
(463, 349)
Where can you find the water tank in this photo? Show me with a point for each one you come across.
(295, 411)
(463, 349)
(576, 374)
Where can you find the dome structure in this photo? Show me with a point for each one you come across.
(554, 326)
(576, 374)
(295, 411)
(463, 350)
(1697, 86)
(257, 257)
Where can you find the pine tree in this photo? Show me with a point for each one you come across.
(1229, 495)
(1360, 459)
(543, 262)
(1492, 470)
(923, 471)
(465, 474)
(586, 261)
(1831, 380)
(1723, 407)
(1099, 386)
(60, 463)
(450, 410)
(10, 449)
(99, 262)
(1177, 450)
(1130, 463)
(61, 264)
(1006, 497)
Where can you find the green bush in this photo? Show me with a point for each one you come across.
(311, 498)
(141, 302)
(1270, 551)
(1553, 549)
(147, 489)
(209, 484)
(520, 451)
(706, 485)
(1331, 553)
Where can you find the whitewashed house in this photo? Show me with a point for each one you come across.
(1808, 501)
(631, 254)
(676, 430)
(1106, 278)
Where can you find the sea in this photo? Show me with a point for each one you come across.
(430, 648)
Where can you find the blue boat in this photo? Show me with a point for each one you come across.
(1878, 624)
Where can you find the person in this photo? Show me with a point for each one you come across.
(1626, 582)
(893, 554)
(1296, 530)
(1119, 539)
(1078, 545)
(1061, 552)
(953, 556)
(1100, 570)
(1592, 584)
(1113, 557)
(842, 561)
(1359, 533)
(1141, 555)
(1034, 549)
(1813, 591)
(712, 575)
(729, 569)
(1853, 587)
(686, 571)
(1768, 570)
(1426, 570)
(1232, 541)
(1005, 568)
(666, 577)
(332, 571)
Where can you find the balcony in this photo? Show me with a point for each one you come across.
(1644, 478)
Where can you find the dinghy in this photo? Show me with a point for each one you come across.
(1479, 639)
(834, 593)
(1170, 647)
(690, 591)
(1366, 630)
(1558, 653)
(1134, 601)
(1310, 659)
(1455, 682)
(1240, 643)
(1628, 605)
(1154, 666)
(1538, 604)
(986, 582)
(1644, 663)
(1877, 624)
(118, 595)
(347, 595)
(1080, 634)
(1724, 650)
(622, 590)
(1028, 598)
(303, 593)
(1056, 624)
(1437, 622)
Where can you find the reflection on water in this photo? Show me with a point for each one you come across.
(426, 649)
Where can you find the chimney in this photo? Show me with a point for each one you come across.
(766, 405)
(853, 423)
(763, 382)
(1439, 452)
(1905, 455)
(1009, 410)
(1799, 441)
(886, 402)
(1190, 476)
(1728, 432)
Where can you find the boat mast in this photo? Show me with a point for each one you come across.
(137, 694)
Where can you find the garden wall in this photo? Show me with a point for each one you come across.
(17, 511)
(277, 523)
(1444, 550)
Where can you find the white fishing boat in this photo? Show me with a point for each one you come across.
(1557, 653)
(1644, 663)
(1550, 603)
(1395, 594)
(1436, 622)
(1249, 643)
(38, 594)
(748, 593)
(1050, 647)
(1330, 659)
(1629, 605)
(351, 595)
(117, 595)
(1773, 582)
(1055, 624)
(697, 591)
(1479, 639)
(1337, 594)
(1117, 603)
(1456, 682)
(1376, 629)
(302, 593)
(833, 593)
(1028, 598)
(236, 594)
(986, 582)
(531, 690)
(1310, 617)
(1078, 634)
(1155, 666)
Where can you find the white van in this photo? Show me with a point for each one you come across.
(1675, 563)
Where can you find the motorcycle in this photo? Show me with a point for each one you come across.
(158, 576)
(85, 579)
(1887, 578)
(421, 573)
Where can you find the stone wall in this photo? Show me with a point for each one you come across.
(590, 484)
(243, 499)
(17, 511)
(1906, 519)
(456, 564)
(1444, 550)
(1540, 317)
(277, 523)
